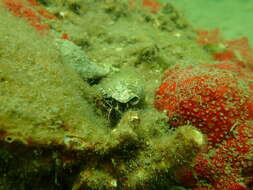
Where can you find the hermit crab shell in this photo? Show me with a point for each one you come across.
(124, 87)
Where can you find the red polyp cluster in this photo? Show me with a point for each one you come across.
(226, 163)
(29, 11)
(152, 5)
(236, 51)
(217, 99)
(214, 100)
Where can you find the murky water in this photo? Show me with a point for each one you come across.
(233, 17)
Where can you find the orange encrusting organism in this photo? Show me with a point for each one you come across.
(30, 11)
(217, 99)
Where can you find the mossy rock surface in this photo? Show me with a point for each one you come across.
(53, 132)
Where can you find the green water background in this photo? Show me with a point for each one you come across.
(233, 17)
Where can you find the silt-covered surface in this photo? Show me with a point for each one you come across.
(77, 95)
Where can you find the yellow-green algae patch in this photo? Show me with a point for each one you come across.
(40, 98)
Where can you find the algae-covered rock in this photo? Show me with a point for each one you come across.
(158, 157)
(74, 57)
(52, 132)
(39, 97)
(42, 110)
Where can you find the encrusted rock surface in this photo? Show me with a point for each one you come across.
(55, 129)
